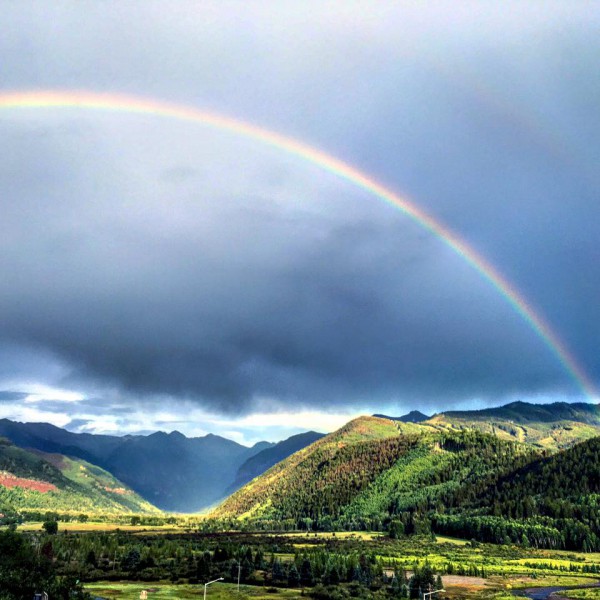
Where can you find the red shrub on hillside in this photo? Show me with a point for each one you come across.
(8, 480)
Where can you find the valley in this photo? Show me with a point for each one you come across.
(493, 503)
(176, 563)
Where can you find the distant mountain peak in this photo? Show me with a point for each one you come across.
(414, 416)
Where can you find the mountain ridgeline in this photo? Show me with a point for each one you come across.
(551, 426)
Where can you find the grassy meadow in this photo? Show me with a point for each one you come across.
(98, 526)
(123, 590)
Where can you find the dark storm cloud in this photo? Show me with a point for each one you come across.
(159, 259)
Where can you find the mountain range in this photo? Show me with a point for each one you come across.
(361, 473)
(171, 471)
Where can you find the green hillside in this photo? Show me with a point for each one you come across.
(259, 463)
(316, 481)
(32, 480)
(440, 472)
(379, 474)
(559, 493)
(371, 469)
(550, 426)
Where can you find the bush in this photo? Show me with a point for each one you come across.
(50, 527)
(338, 592)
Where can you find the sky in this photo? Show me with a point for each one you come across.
(160, 274)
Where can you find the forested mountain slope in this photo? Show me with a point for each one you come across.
(525, 412)
(406, 478)
(38, 481)
(550, 486)
(318, 479)
(559, 492)
(372, 468)
(265, 459)
(441, 472)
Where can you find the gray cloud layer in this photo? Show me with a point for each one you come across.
(162, 259)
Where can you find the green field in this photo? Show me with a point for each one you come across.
(157, 591)
(92, 526)
(583, 594)
(493, 590)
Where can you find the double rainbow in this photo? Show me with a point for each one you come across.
(69, 99)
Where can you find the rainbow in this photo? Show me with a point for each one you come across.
(69, 99)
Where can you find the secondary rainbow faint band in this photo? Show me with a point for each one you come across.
(77, 99)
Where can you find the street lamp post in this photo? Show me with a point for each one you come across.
(207, 584)
(430, 593)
